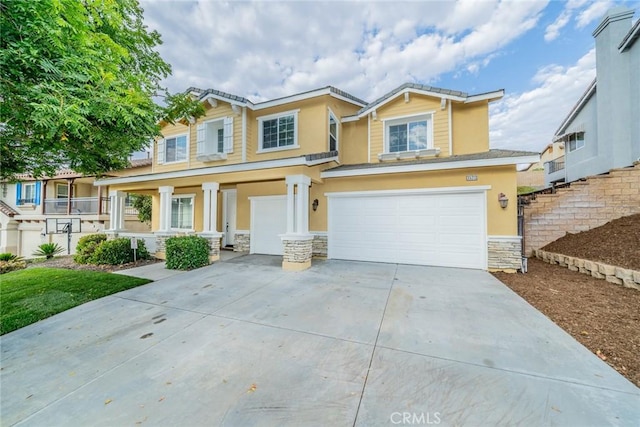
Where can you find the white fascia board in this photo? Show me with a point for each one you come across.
(344, 98)
(349, 119)
(302, 97)
(497, 94)
(411, 90)
(424, 167)
(411, 191)
(215, 170)
(227, 100)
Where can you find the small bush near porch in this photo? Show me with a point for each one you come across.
(187, 252)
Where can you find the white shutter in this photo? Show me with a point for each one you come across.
(160, 159)
(228, 134)
(201, 132)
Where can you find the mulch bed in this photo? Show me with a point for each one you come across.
(615, 243)
(68, 263)
(602, 316)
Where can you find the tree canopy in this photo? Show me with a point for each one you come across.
(77, 86)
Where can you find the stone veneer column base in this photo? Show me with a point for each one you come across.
(504, 253)
(298, 250)
(242, 242)
(161, 241)
(319, 244)
(214, 244)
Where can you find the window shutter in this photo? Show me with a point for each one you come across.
(228, 134)
(160, 159)
(18, 192)
(201, 132)
(38, 191)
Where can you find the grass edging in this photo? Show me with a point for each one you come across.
(28, 296)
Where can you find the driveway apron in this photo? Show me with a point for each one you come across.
(243, 343)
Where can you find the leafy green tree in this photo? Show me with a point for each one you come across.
(143, 204)
(77, 86)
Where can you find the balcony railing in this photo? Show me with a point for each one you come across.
(556, 165)
(77, 205)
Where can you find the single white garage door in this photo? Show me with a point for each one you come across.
(440, 229)
(268, 222)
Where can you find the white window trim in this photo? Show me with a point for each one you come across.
(24, 193)
(331, 114)
(193, 211)
(261, 119)
(387, 122)
(164, 155)
(567, 143)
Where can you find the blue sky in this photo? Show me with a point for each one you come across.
(541, 52)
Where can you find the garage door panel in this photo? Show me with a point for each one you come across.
(428, 229)
(268, 222)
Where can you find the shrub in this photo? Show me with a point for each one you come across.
(87, 245)
(118, 251)
(187, 252)
(48, 250)
(11, 265)
(7, 256)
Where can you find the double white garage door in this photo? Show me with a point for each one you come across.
(426, 228)
(440, 229)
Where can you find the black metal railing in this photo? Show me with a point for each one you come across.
(556, 164)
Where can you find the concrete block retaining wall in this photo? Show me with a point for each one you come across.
(618, 275)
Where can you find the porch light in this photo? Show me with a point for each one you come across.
(503, 200)
(314, 205)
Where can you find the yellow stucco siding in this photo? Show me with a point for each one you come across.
(222, 110)
(501, 179)
(398, 108)
(353, 142)
(271, 188)
(470, 127)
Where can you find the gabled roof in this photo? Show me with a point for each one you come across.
(244, 102)
(630, 38)
(7, 210)
(430, 91)
(586, 96)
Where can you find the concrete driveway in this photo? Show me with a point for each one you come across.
(243, 343)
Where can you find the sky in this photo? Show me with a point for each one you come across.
(540, 52)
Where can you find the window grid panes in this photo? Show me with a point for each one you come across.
(576, 141)
(408, 136)
(176, 149)
(333, 134)
(29, 193)
(182, 213)
(221, 140)
(279, 132)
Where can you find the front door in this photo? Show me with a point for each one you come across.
(229, 198)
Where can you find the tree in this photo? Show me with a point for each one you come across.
(77, 83)
(143, 205)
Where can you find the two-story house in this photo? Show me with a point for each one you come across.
(408, 178)
(35, 211)
(602, 130)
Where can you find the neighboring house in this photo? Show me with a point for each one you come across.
(533, 176)
(26, 205)
(408, 178)
(602, 131)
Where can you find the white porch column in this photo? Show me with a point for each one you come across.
(165, 207)
(290, 181)
(210, 218)
(116, 213)
(298, 243)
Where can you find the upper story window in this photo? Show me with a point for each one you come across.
(575, 141)
(409, 134)
(278, 132)
(214, 137)
(173, 149)
(333, 132)
(182, 212)
(28, 193)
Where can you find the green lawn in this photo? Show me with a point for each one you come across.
(27, 296)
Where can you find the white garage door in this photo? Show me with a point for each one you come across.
(441, 229)
(268, 222)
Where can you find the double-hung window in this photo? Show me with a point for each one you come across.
(278, 132)
(575, 141)
(173, 149)
(333, 132)
(182, 212)
(409, 134)
(28, 193)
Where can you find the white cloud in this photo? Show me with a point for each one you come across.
(527, 121)
(595, 11)
(553, 31)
